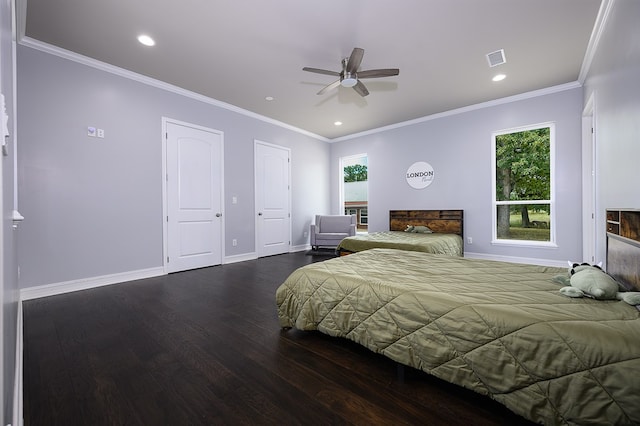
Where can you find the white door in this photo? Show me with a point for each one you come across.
(194, 197)
(273, 219)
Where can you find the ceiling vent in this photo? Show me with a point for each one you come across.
(496, 58)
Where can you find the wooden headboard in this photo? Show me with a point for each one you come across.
(439, 221)
(623, 247)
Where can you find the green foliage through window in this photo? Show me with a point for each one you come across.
(523, 170)
(523, 184)
(355, 173)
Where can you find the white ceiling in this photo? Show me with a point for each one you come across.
(241, 51)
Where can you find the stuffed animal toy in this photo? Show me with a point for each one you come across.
(421, 229)
(418, 229)
(587, 280)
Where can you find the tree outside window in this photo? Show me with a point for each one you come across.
(523, 184)
(355, 173)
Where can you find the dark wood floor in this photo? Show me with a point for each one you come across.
(204, 347)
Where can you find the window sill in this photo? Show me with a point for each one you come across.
(525, 243)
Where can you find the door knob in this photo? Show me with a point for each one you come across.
(218, 214)
(259, 213)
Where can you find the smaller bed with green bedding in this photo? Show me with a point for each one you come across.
(428, 231)
(450, 244)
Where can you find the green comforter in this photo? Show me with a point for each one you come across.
(450, 244)
(500, 329)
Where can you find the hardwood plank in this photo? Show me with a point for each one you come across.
(205, 347)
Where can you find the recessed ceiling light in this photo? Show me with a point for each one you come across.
(146, 40)
(269, 98)
(338, 123)
(499, 77)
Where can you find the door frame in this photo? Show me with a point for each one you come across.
(257, 142)
(165, 200)
(341, 165)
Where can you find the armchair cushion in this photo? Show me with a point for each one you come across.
(335, 224)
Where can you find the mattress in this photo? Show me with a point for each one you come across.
(450, 244)
(500, 329)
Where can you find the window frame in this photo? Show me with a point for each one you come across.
(552, 201)
(364, 213)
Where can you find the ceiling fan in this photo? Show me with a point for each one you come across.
(350, 76)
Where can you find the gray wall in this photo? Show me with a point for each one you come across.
(93, 206)
(89, 196)
(614, 83)
(9, 298)
(458, 147)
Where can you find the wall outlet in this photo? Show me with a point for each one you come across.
(234, 242)
(100, 133)
(469, 240)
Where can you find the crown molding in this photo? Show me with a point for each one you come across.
(598, 28)
(488, 104)
(103, 66)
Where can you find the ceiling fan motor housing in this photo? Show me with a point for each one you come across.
(348, 75)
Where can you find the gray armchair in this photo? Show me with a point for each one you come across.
(329, 230)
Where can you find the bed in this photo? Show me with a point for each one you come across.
(500, 329)
(444, 235)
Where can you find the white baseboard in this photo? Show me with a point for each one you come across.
(295, 249)
(514, 259)
(253, 256)
(240, 258)
(46, 290)
(29, 293)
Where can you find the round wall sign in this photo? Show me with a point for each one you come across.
(420, 175)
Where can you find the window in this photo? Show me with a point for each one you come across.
(364, 217)
(523, 185)
(361, 216)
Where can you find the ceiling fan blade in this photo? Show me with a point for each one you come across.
(321, 71)
(329, 87)
(354, 60)
(361, 89)
(386, 72)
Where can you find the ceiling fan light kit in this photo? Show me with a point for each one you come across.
(349, 81)
(349, 74)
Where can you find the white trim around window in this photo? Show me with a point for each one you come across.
(552, 203)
